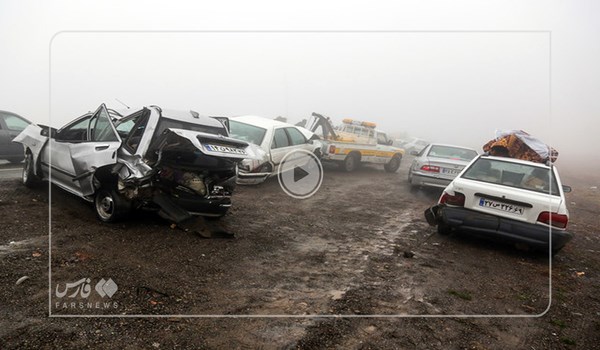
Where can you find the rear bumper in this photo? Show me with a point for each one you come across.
(485, 225)
(428, 180)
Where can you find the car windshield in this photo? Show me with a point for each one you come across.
(246, 132)
(528, 177)
(447, 152)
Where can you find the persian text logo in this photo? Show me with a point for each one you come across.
(78, 292)
(83, 288)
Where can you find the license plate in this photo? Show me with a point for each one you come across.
(225, 149)
(505, 207)
(450, 171)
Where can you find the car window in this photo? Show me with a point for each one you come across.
(102, 129)
(296, 136)
(246, 132)
(524, 176)
(77, 131)
(447, 152)
(381, 139)
(422, 151)
(15, 123)
(136, 131)
(125, 127)
(280, 139)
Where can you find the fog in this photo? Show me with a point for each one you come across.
(454, 81)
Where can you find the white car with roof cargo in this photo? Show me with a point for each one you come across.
(511, 199)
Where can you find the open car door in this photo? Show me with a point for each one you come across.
(100, 150)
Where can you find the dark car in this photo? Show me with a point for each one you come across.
(11, 125)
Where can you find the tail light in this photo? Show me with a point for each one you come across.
(458, 199)
(331, 148)
(431, 168)
(553, 219)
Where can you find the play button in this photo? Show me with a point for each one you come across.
(300, 174)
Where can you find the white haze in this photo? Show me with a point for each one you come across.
(453, 74)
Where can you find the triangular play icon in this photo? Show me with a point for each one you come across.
(299, 173)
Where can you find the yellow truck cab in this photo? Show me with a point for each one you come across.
(355, 142)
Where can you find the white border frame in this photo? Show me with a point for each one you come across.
(315, 316)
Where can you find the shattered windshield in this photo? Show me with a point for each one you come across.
(247, 132)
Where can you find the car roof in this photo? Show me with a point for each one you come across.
(260, 121)
(453, 146)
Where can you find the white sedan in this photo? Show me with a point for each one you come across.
(275, 139)
(515, 200)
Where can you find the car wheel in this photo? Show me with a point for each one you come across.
(110, 206)
(393, 165)
(350, 163)
(443, 229)
(28, 177)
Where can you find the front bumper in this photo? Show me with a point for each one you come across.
(248, 178)
(491, 226)
(428, 180)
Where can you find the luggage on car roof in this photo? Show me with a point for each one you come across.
(520, 145)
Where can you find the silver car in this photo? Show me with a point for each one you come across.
(178, 163)
(438, 164)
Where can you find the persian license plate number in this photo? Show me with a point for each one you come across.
(225, 149)
(505, 207)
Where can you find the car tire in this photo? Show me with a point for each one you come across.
(393, 165)
(28, 176)
(443, 229)
(350, 163)
(110, 206)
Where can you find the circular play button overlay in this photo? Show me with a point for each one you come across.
(300, 174)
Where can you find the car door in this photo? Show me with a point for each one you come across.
(280, 145)
(383, 154)
(11, 125)
(4, 138)
(77, 152)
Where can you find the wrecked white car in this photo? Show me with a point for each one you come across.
(271, 141)
(178, 163)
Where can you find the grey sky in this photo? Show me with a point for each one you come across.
(455, 87)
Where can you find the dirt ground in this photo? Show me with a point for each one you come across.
(358, 248)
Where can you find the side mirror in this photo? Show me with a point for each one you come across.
(414, 153)
(48, 131)
(566, 189)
